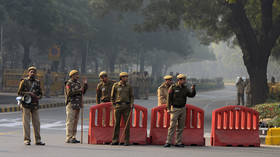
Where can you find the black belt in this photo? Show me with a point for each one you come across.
(178, 106)
(104, 101)
(123, 103)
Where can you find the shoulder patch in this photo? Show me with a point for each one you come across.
(170, 90)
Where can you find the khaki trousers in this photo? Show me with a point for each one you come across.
(118, 113)
(104, 117)
(240, 98)
(72, 119)
(178, 115)
(26, 114)
(249, 100)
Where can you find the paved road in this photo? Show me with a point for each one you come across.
(53, 132)
(54, 118)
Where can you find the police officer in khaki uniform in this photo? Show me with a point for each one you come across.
(122, 99)
(176, 100)
(240, 85)
(163, 90)
(29, 88)
(103, 92)
(248, 93)
(73, 100)
(104, 88)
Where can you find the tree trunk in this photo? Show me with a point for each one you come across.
(156, 71)
(142, 62)
(54, 66)
(258, 79)
(26, 62)
(111, 64)
(83, 63)
(62, 63)
(84, 59)
(96, 65)
(256, 47)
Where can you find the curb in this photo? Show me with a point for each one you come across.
(42, 106)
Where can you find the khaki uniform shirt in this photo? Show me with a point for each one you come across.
(240, 85)
(122, 95)
(177, 96)
(73, 90)
(103, 91)
(162, 94)
(248, 88)
(26, 85)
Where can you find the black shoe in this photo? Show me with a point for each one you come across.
(27, 143)
(126, 144)
(179, 145)
(40, 143)
(114, 143)
(167, 145)
(75, 141)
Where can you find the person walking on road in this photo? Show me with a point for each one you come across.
(30, 91)
(122, 99)
(73, 100)
(162, 91)
(176, 102)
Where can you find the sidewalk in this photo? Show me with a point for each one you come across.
(44, 103)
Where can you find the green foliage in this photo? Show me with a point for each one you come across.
(269, 111)
(106, 29)
(36, 15)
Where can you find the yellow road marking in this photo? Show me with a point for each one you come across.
(7, 133)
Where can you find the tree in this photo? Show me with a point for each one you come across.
(255, 25)
(33, 19)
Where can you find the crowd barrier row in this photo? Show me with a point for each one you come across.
(231, 126)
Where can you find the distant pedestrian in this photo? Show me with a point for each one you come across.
(248, 93)
(240, 85)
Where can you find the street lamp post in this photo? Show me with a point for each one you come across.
(2, 54)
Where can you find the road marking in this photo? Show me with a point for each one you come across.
(45, 124)
(6, 133)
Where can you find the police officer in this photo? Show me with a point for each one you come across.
(30, 88)
(163, 90)
(273, 80)
(104, 88)
(176, 100)
(103, 91)
(73, 95)
(248, 93)
(122, 99)
(240, 85)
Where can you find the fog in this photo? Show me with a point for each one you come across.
(228, 64)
